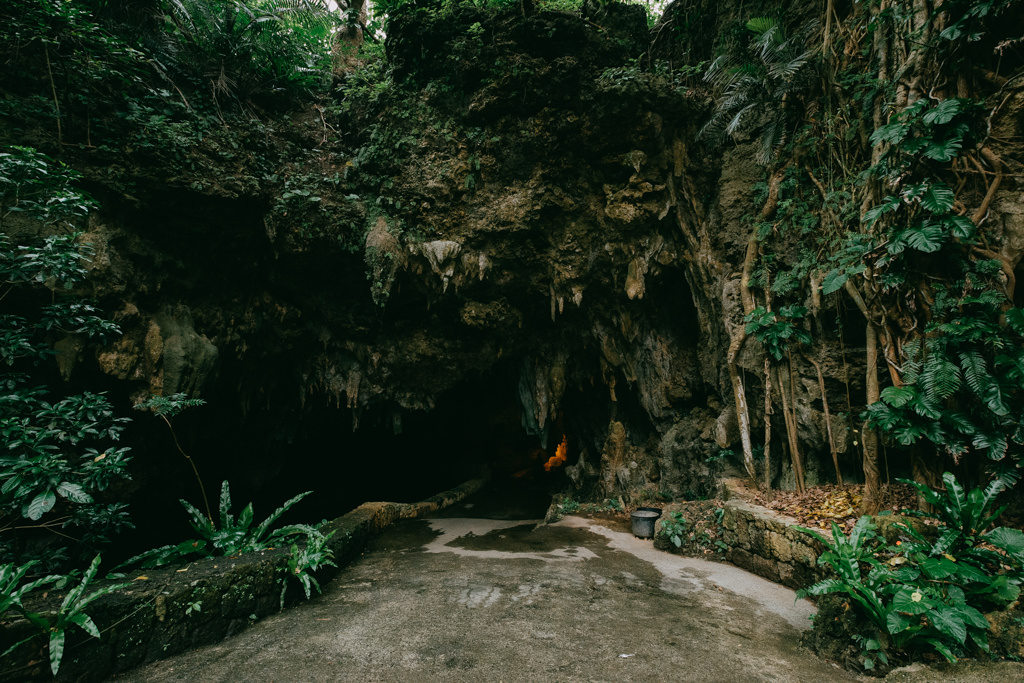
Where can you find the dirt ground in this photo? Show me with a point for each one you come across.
(461, 599)
(471, 599)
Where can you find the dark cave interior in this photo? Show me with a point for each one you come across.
(405, 456)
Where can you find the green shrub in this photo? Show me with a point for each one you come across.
(927, 594)
(674, 529)
(231, 535)
(58, 451)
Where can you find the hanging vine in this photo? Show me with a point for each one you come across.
(891, 175)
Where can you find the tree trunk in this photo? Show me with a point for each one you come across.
(871, 502)
(828, 419)
(739, 394)
(742, 413)
(767, 424)
(791, 435)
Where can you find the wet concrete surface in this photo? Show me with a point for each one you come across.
(465, 599)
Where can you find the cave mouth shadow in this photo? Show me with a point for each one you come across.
(271, 455)
(407, 456)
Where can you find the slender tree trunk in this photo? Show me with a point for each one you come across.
(735, 344)
(794, 430)
(828, 419)
(767, 424)
(791, 427)
(742, 416)
(871, 502)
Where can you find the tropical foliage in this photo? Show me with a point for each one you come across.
(59, 452)
(227, 535)
(758, 82)
(928, 591)
(240, 49)
(879, 184)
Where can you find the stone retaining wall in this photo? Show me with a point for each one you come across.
(168, 610)
(765, 543)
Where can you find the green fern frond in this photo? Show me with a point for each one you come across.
(976, 372)
(940, 378)
(912, 364)
(737, 120)
(773, 137)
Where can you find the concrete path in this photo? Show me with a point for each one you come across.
(499, 600)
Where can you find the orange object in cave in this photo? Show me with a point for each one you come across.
(559, 457)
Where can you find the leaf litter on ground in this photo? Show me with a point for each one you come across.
(821, 505)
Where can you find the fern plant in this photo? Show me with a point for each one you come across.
(234, 536)
(963, 385)
(166, 407)
(72, 613)
(239, 49)
(777, 331)
(310, 557)
(926, 592)
(758, 85)
(229, 535)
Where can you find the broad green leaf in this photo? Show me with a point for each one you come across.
(187, 547)
(1015, 318)
(911, 601)
(957, 499)
(898, 396)
(56, 650)
(888, 205)
(973, 617)
(833, 281)
(980, 638)
(73, 492)
(942, 649)
(200, 522)
(83, 621)
(1007, 592)
(924, 238)
(245, 517)
(944, 112)
(1010, 540)
(994, 444)
(937, 198)
(959, 421)
(896, 622)
(41, 504)
(949, 622)
(993, 397)
(961, 227)
(261, 530)
(944, 150)
(938, 567)
(893, 133)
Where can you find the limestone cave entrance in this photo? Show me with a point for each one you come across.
(274, 453)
